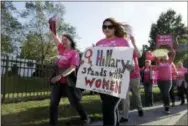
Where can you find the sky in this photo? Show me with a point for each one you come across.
(87, 17)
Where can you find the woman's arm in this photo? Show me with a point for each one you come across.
(56, 38)
(138, 53)
(173, 54)
(175, 69)
(64, 74)
(68, 71)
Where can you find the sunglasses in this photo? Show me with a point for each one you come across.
(107, 26)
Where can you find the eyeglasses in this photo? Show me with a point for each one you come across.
(108, 26)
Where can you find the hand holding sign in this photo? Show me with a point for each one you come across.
(52, 23)
(164, 44)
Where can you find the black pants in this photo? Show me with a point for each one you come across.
(74, 96)
(182, 91)
(148, 89)
(172, 93)
(110, 110)
(165, 86)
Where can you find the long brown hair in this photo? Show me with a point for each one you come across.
(73, 44)
(119, 31)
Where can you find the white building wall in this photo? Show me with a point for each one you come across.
(23, 69)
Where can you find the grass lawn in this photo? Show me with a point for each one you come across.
(36, 113)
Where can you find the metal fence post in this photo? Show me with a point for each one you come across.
(3, 81)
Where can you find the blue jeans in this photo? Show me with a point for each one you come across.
(74, 96)
(182, 90)
(165, 86)
(148, 89)
(172, 93)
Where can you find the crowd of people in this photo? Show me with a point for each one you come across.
(64, 78)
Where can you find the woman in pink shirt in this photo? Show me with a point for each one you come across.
(165, 78)
(64, 81)
(148, 73)
(134, 82)
(114, 33)
(181, 83)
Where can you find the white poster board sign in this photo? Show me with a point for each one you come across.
(106, 70)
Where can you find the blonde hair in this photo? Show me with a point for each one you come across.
(179, 63)
(165, 57)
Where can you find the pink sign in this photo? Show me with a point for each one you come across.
(164, 40)
(155, 77)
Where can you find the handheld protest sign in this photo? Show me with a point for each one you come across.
(165, 41)
(163, 45)
(106, 70)
(52, 24)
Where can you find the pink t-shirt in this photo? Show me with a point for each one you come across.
(118, 42)
(67, 58)
(181, 73)
(147, 73)
(174, 77)
(136, 72)
(115, 42)
(165, 71)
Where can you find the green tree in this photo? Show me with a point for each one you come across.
(168, 23)
(38, 14)
(31, 48)
(182, 38)
(142, 59)
(10, 27)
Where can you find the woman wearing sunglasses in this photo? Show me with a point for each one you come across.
(114, 33)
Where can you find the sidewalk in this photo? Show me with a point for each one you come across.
(155, 116)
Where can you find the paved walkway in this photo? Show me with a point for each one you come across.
(155, 116)
(183, 120)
